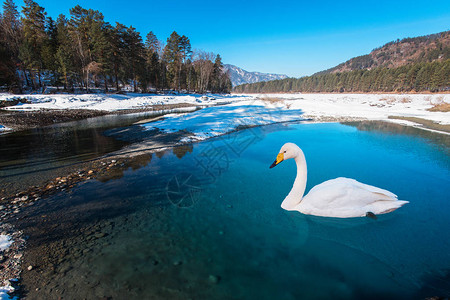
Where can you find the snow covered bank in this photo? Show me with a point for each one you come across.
(110, 102)
(218, 120)
(366, 106)
(266, 109)
(248, 109)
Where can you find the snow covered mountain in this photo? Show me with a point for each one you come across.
(239, 76)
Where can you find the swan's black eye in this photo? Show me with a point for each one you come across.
(284, 151)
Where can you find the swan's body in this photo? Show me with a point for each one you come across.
(340, 197)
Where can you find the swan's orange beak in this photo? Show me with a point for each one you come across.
(280, 158)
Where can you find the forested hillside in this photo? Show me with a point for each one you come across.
(433, 77)
(412, 64)
(83, 51)
(428, 48)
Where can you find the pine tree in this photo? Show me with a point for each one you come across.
(10, 40)
(134, 53)
(34, 37)
(49, 48)
(173, 59)
(152, 46)
(64, 56)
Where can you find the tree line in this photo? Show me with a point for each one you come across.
(418, 77)
(84, 52)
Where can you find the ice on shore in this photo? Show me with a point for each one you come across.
(218, 120)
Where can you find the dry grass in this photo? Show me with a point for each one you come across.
(275, 100)
(392, 100)
(272, 100)
(388, 100)
(442, 107)
(405, 100)
(425, 123)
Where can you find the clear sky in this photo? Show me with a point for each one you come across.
(295, 38)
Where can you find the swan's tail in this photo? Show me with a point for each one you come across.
(390, 206)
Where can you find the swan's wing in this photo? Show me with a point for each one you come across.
(342, 193)
(353, 184)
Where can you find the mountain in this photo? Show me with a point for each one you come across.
(239, 76)
(428, 48)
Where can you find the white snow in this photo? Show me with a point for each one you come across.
(246, 109)
(111, 102)
(368, 106)
(5, 242)
(218, 120)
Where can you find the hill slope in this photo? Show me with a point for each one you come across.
(240, 76)
(428, 48)
(411, 64)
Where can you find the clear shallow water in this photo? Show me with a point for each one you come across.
(29, 155)
(205, 222)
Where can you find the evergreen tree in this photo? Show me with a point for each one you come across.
(10, 41)
(34, 37)
(64, 56)
(173, 60)
(135, 55)
(152, 46)
(49, 48)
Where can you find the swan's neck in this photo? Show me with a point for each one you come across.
(298, 189)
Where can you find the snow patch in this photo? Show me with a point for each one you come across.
(111, 102)
(5, 242)
(218, 120)
(367, 106)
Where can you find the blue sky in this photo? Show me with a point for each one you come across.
(295, 38)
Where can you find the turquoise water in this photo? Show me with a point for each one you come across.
(205, 222)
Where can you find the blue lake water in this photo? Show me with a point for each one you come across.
(204, 221)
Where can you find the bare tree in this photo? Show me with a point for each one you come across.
(204, 68)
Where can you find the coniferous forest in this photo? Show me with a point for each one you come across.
(83, 52)
(419, 77)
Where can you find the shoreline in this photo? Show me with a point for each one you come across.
(22, 120)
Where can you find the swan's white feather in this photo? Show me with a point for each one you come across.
(346, 197)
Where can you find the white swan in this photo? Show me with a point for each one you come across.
(340, 197)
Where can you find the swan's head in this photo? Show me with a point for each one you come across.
(289, 150)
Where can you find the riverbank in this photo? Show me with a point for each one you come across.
(17, 120)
